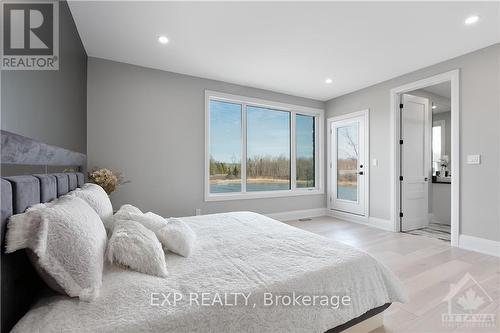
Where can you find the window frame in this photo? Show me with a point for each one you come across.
(318, 115)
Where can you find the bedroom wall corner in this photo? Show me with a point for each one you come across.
(50, 105)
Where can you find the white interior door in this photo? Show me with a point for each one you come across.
(415, 162)
(348, 168)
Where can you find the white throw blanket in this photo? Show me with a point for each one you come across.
(236, 253)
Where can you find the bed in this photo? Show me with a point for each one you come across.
(243, 269)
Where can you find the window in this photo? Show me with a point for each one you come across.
(225, 147)
(258, 148)
(347, 162)
(268, 149)
(305, 133)
(438, 146)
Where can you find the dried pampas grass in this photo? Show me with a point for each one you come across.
(107, 179)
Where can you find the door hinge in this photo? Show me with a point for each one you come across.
(401, 178)
(401, 105)
(400, 142)
(400, 214)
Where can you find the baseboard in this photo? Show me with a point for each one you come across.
(370, 221)
(481, 245)
(298, 214)
(383, 224)
(348, 217)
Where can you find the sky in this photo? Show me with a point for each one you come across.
(268, 132)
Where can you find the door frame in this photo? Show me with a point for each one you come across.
(366, 114)
(454, 77)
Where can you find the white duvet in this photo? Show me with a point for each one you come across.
(242, 258)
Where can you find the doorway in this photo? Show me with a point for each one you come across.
(348, 158)
(426, 157)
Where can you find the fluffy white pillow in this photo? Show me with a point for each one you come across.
(150, 220)
(177, 237)
(136, 247)
(97, 198)
(69, 241)
(123, 213)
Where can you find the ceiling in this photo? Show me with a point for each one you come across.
(288, 47)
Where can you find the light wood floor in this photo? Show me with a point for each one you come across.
(426, 266)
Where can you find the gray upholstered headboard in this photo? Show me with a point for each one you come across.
(20, 283)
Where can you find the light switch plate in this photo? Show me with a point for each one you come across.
(473, 159)
(374, 162)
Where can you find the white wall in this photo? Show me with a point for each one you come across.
(479, 126)
(149, 124)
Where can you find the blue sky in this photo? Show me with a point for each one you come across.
(268, 132)
(225, 131)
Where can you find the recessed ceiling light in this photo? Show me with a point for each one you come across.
(471, 19)
(163, 40)
(328, 81)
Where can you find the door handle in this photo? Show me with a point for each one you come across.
(426, 179)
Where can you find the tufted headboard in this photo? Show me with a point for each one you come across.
(20, 283)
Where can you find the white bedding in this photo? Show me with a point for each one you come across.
(239, 252)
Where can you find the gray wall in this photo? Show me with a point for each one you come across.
(440, 194)
(50, 106)
(149, 124)
(440, 203)
(479, 129)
